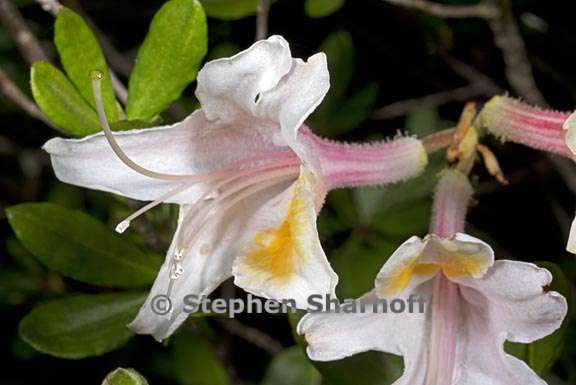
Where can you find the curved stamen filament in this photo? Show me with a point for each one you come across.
(122, 226)
(97, 92)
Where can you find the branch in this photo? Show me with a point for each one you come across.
(252, 335)
(438, 140)
(518, 68)
(9, 89)
(482, 10)
(28, 45)
(262, 19)
(404, 107)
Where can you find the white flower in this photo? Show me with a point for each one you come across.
(475, 305)
(249, 177)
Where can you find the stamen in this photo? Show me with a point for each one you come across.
(122, 226)
(250, 187)
(97, 77)
(283, 174)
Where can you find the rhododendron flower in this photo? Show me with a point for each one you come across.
(552, 131)
(248, 176)
(475, 305)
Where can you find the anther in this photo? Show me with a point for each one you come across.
(122, 226)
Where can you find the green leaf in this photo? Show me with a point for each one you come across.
(540, 355)
(322, 8)
(169, 58)
(195, 361)
(338, 113)
(339, 49)
(61, 102)
(423, 121)
(80, 54)
(123, 125)
(81, 326)
(354, 110)
(123, 376)
(291, 367)
(230, 9)
(80, 247)
(357, 264)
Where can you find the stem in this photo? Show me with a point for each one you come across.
(438, 140)
(27, 43)
(451, 199)
(12, 92)
(262, 20)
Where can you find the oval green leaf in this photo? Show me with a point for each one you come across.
(292, 367)
(322, 8)
(81, 326)
(169, 58)
(195, 361)
(123, 376)
(61, 102)
(230, 9)
(80, 247)
(80, 53)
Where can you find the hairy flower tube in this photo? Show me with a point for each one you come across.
(476, 304)
(248, 175)
(552, 131)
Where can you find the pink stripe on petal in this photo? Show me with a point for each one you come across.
(352, 165)
(534, 127)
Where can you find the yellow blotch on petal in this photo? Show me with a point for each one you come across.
(400, 280)
(453, 261)
(458, 266)
(276, 252)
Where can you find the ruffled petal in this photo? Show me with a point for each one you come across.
(285, 260)
(206, 263)
(418, 260)
(228, 87)
(191, 147)
(334, 336)
(513, 294)
(570, 137)
(266, 84)
(571, 245)
(296, 96)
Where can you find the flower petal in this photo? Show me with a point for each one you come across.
(570, 137)
(228, 87)
(417, 260)
(512, 293)
(193, 146)
(333, 336)
(571, 245)
(508, 303)
(206, 263)
(285, 260)
(296, 95)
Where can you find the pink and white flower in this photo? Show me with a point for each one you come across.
(248, 175)
(475, 305)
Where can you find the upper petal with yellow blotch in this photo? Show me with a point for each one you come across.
(418, 260)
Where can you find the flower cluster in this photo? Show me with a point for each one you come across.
(250, 178)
